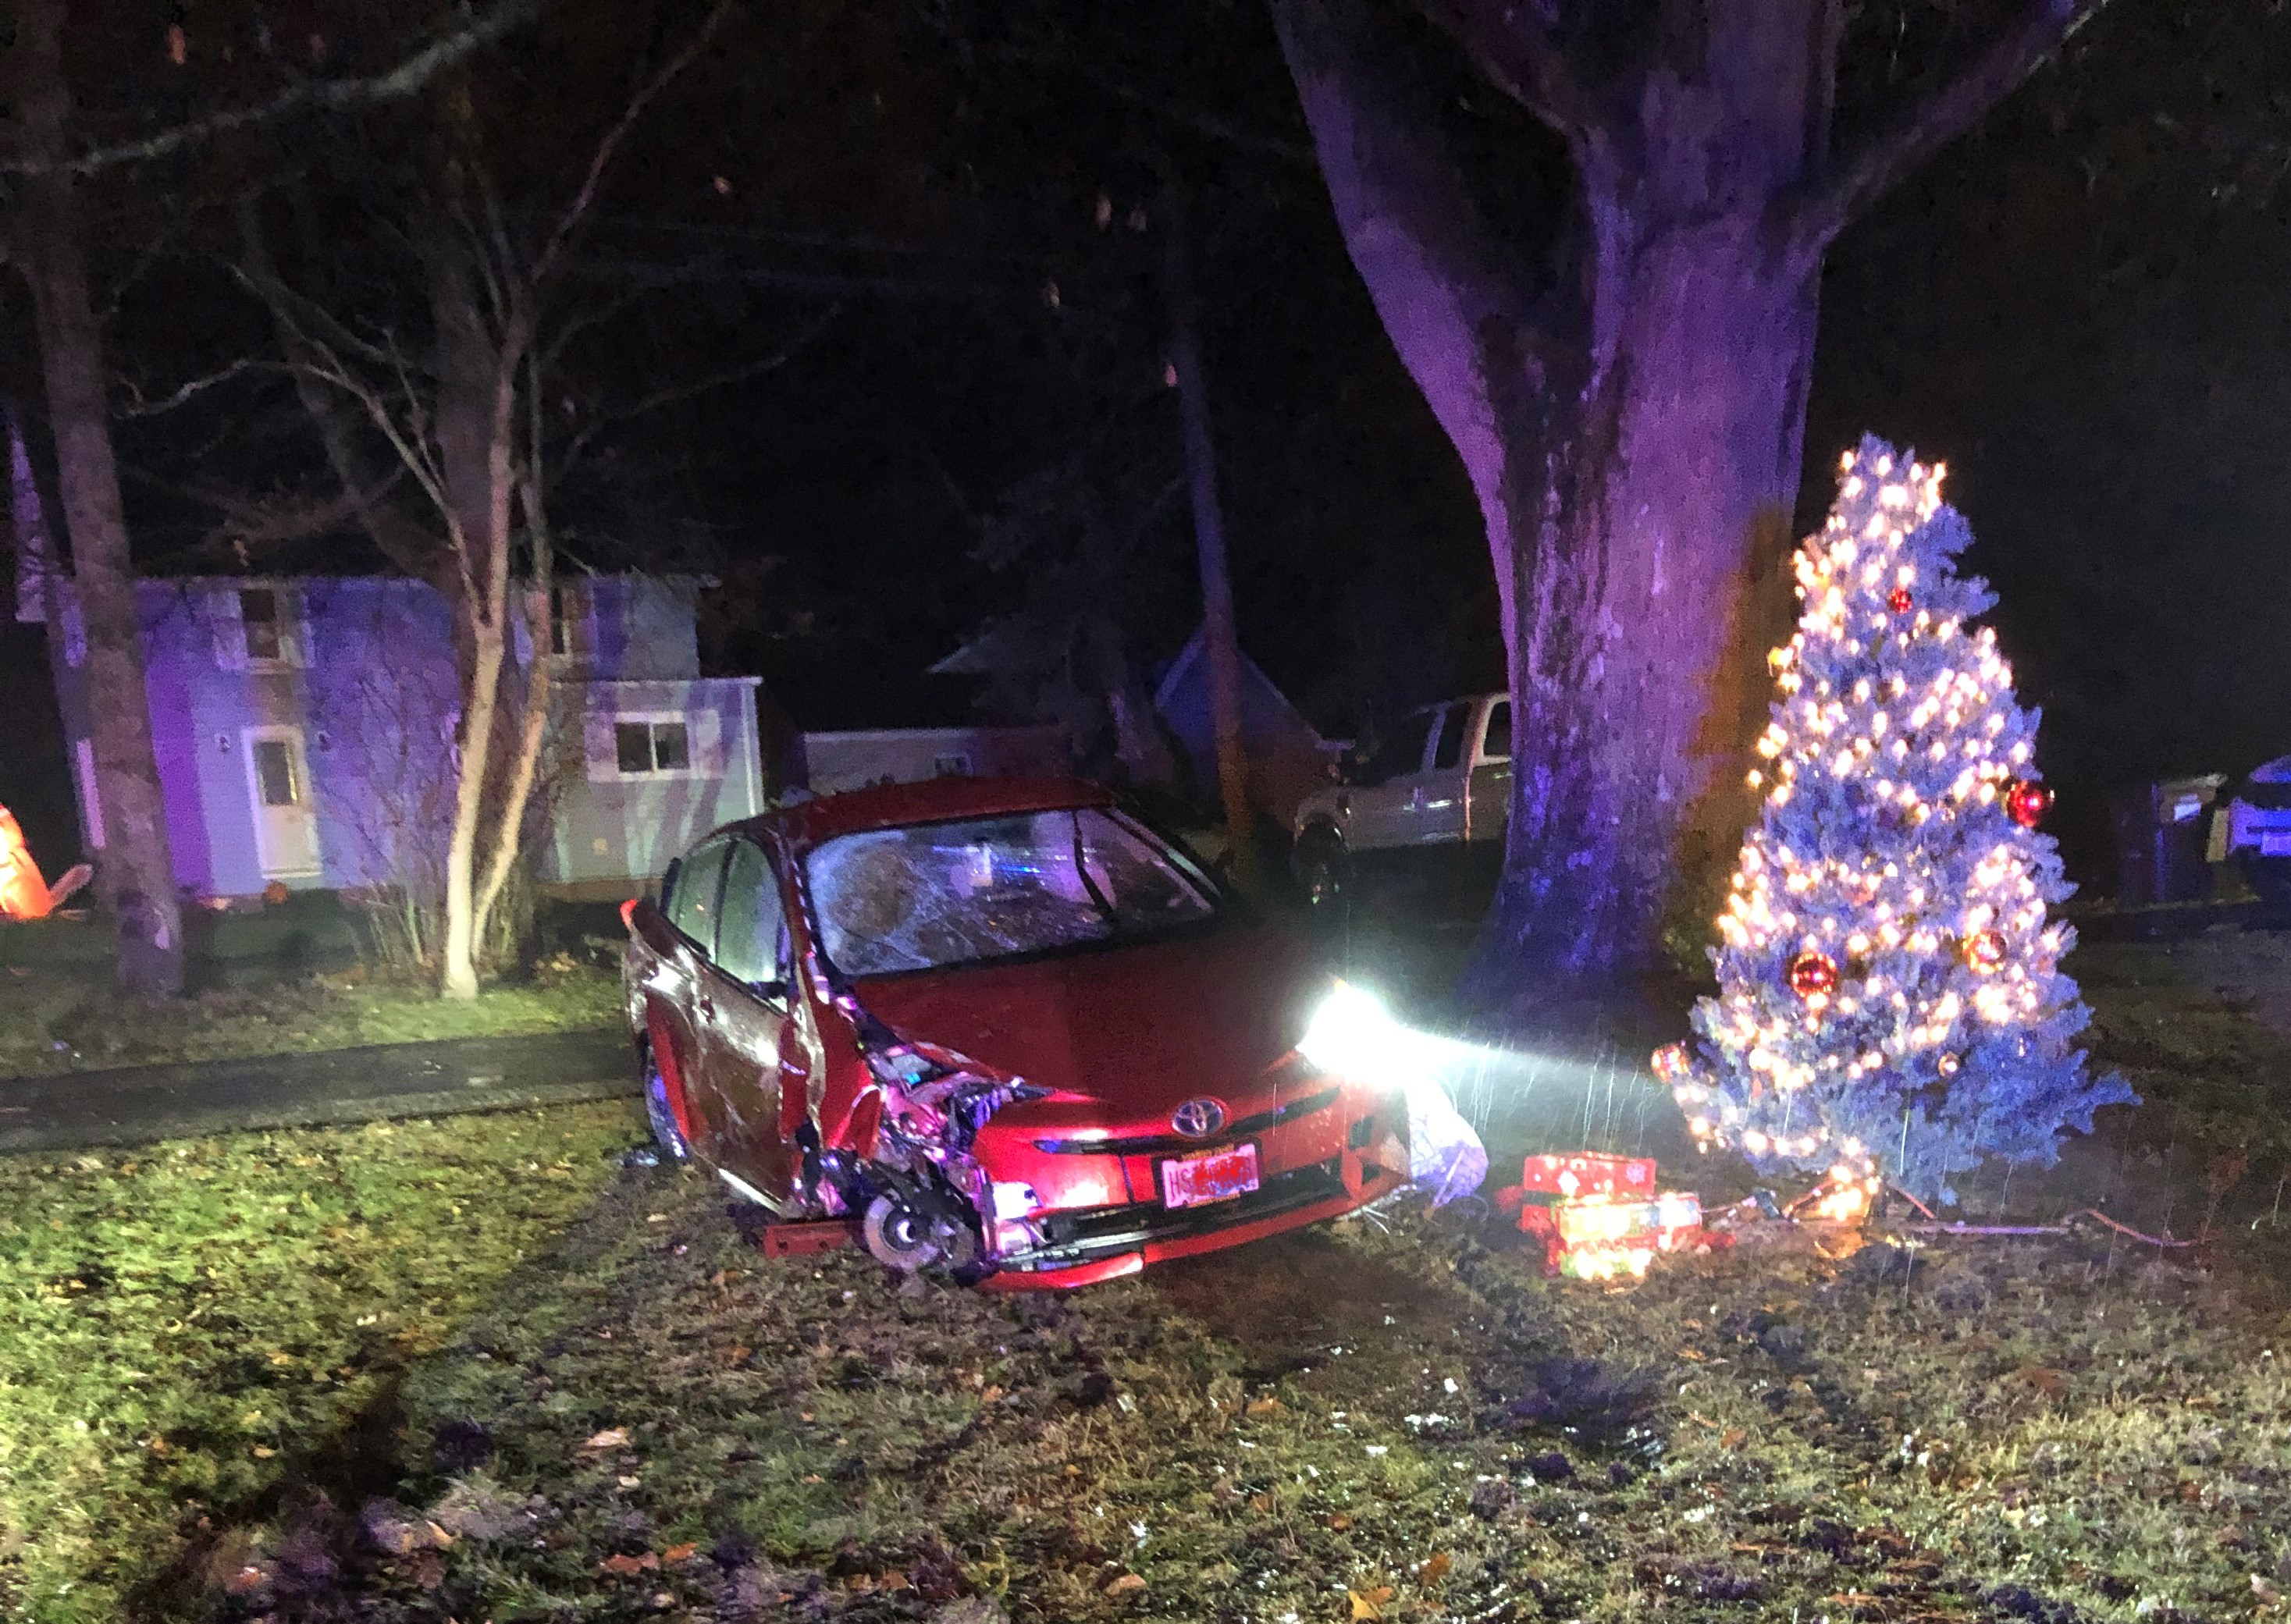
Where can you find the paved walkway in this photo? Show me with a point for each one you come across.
(135, 1104)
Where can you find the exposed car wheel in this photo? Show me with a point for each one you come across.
(2270, 877)
(907, 1240)
(666, 1133)
(1324, 874)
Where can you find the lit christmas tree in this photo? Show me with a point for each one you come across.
(1890, 1003)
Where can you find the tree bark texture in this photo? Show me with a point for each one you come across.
(137, 869)
(1628, 402)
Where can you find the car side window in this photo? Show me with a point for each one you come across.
(749, 934)
(1401, 750)
(1450, 751)
(692, 903)
(1498, 744)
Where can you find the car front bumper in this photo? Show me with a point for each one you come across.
(1104, 1244)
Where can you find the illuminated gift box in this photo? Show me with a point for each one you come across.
(1597, 1237)
(1587, 1173)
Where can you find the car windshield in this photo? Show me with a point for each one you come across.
(933, 894)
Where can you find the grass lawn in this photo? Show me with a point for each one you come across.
(585, 1395)
(185, 1329)
(68, 1017)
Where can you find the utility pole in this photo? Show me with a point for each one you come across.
(1220, 643)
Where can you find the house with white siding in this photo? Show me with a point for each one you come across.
(306, 728)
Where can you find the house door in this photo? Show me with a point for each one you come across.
(285, 823)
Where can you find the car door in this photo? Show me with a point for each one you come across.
(681, 936)
(1380, 802)
(744, 1016)
(1436, 812)
(1488, 800)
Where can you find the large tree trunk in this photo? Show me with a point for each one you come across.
(1630, 402)
(138, 872)
(1630, 424)
(1641, 567)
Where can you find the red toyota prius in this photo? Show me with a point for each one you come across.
(1007, 1025)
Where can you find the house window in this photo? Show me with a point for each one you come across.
(274, 773)
(566, 610)
(259, 612)
(569, 621)
(651, 747)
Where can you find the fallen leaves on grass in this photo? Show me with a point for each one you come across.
(1369, 1603)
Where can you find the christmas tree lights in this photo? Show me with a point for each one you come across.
(1890, 1001)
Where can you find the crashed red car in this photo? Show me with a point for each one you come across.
(1009, 1026)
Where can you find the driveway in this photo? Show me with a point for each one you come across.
(136, 1105)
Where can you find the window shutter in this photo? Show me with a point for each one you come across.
(597, 749)
(708, 744)
(229, 631)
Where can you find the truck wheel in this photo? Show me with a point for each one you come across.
(1324, 876)
(2270, 877)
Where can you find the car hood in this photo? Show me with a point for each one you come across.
(1123, 1034)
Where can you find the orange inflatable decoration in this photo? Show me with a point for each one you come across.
(23, 893)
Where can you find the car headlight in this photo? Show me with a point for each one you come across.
(1353, 1035)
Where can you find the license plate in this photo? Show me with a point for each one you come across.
(1220, 1176)
(2275, 845)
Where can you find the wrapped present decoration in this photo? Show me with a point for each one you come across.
(1600, 1217)
(1589, 1173)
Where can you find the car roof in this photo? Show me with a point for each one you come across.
(932, 800)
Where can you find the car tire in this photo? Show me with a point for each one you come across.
(665, 1134)
(2270, 878)
(903, 1239)
(1323, 875)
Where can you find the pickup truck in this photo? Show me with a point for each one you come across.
(1435, 784)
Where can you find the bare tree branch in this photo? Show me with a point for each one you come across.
(1849, 185)
(138, 407)
(1199, 120)
(698, 386)
(600, 160)
(311, 96)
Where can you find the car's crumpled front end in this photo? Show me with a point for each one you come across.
(1103, 1156)
(1076, 1201)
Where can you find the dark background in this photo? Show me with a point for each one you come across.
(2078, 307)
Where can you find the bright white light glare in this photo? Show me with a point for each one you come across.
(1352, 1033)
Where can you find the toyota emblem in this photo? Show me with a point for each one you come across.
(1197, 1119)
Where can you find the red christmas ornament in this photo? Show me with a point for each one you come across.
(1985, 952)
(2027, 802)
(1897, 600)
(1811, 973)
(1947, 1066)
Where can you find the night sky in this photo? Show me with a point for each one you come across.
(2078, 308)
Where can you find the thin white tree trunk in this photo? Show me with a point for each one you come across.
(486, 568)
(517, 794)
